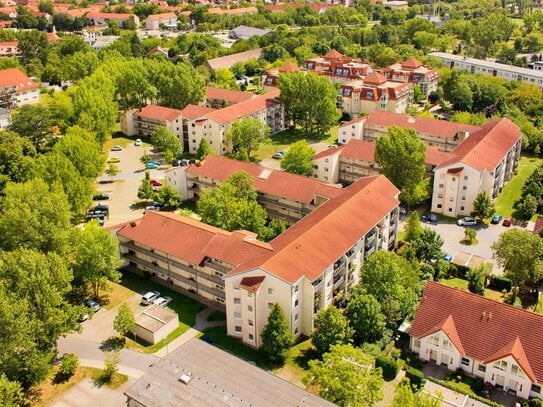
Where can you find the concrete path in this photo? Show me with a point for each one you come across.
(87, 393)
(200, 325)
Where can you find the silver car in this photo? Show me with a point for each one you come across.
(162, 301)
(149, 297)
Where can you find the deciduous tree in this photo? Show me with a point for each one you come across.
(428, 246)
(413, 227)
(406, 397)
(477, 278)
(11, 393)
(166, 142)
(365, 316)
(124, 321)
(331, 328)
(204, 149)
(247, 133)
(482, 207)
(34, 123)
(168, 197)
(298, 159)
(276, 336)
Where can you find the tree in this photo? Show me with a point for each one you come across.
(177, 85)
(247, 133)
(168, 197)
(11, 393)
(309, 100)
(16, 158)
(166, 142)
(145, 191)
(68, 366)
(204, 149)
(299, 159)
(527, 207)
(32, 45)
(96, 257)
(477, 277)
(35, 217)
(276, 335)
(331, 328)
(346, 377)
(401, 157)
(520, 252)
(111, 365)
(34, 123)
(79, 147)
(406, 397)
(413, 228)
(224, 78)
(482, 207)
(394, 281)
(124, 321)
(428, 246)
(470, 235)
(365, 316)
(112, 170)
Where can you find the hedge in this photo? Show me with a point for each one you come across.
(389, 366)
(500, 283)
(415, 376)
(451, 386)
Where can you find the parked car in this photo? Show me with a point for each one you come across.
(83, 316)
(184, 162)
(92, 305)
(155, 183)
(152, 208)
(430, 217)
(98, 209)
(162, 301)
(277, 156)
(151, 165)
(467, 221)
(114, 160)
(447, 258)
(138, 142)
(149, 297)
(507, 222)
(175, 163)
(116, 148)
(496, 219)
(100, 197)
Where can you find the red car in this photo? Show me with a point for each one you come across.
(155, 183)
(507, 222)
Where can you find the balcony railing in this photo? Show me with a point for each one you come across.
(216, 266)
(167, 260)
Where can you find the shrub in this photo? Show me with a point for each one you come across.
(415, 376)
(389, 367)
(68, 366)
(500, 283)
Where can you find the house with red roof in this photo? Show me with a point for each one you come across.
(337, 67)
(9, 49)
(414, 72)
(97, 18)
(144, 121)
(17, 89)
(300, 269)
(495, 342)
(218, 98)
(167, 20)
(271, 76)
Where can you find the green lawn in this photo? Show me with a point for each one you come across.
(512, 191)
(462, 284)
(216, 316)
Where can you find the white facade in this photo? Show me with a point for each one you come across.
(26, 97)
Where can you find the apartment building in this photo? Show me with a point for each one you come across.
(484, 162)
(17, 89)
(300, 269)
(507, 72)
(414, 72)
(9, 49)
(270, 77)
(190, 115)
(218, 98)
(285, 196)
(338, 68)
(374, 92)
(101, 19)
(489, 340)
(157, 21)
(144, 121)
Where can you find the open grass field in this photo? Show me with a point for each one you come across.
(462, 284)
(512, 191)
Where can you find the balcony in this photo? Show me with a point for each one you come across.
(156, 269)
(216, 266)
(167, 260)
(211, 290)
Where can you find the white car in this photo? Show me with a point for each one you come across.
(138, 142)
(162, 301)
(116, 148)
(149, 297)
(467, 221)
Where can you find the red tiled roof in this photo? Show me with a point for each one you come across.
(332, 54)
(357, 120)
(448, 326)
(279, 183)
(486, 148)
(229, 60)
(231, 96)
(158, 113)
(9, 43)
(289, 67)
(14, 77)
(243, 109)
(251, 283)
(163, 16)
(51, 37)
(438, 128)
(116, 16)
(192, 240)
(375, 78)
(306, 249)
(538, 224)
(487, 329)
(234, 11)
(192, 112)
(411, 63)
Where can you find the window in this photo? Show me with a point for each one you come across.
(219, 287)
(465, 188)
(465, 177)
(237, 301)
(296, 317)
(465, 361)
(250, 308)
(463, 198)
(296, 303)
(237, 329)
(251, 337)
(502, 365)
(434, 339)
(515, 370)
(316, 167)
(295, 288)
(270, 305)
(250, 322)
(441, 185)
(482, 368)
(535, 388)
(270, 291)
(439, 206)
(416, 344)
(447, 344)
(296, 331)
(237, 315)
(462, 208)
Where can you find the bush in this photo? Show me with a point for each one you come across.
(500, 283)
(68, 366)
(389, 366)
(415, 376)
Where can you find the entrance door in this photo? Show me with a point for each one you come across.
(500, 380)
(444, 359)
(433, 355)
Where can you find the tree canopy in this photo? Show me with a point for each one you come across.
(276, 336)
(298, 159)
(365, 316)
(247, 134)
(331, 328)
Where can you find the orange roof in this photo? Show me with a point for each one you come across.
(357, 120)
(289, 67)
(243, 109)
(192, 112)
(163, 16)
(435, 127)
(115, 16)
(411, 63)
(375, 78)
(158, 113)
(486, 148)
(229, 60)
(305, 250)
(14, 77)
(332, 54)
(231, 96)
(488, 330)
(447, 326)
(51, 37)
(251, 283)
(278, 183)
(9, 43)
(234, 11)
(191, 240)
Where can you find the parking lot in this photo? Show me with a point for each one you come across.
(123, 190)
